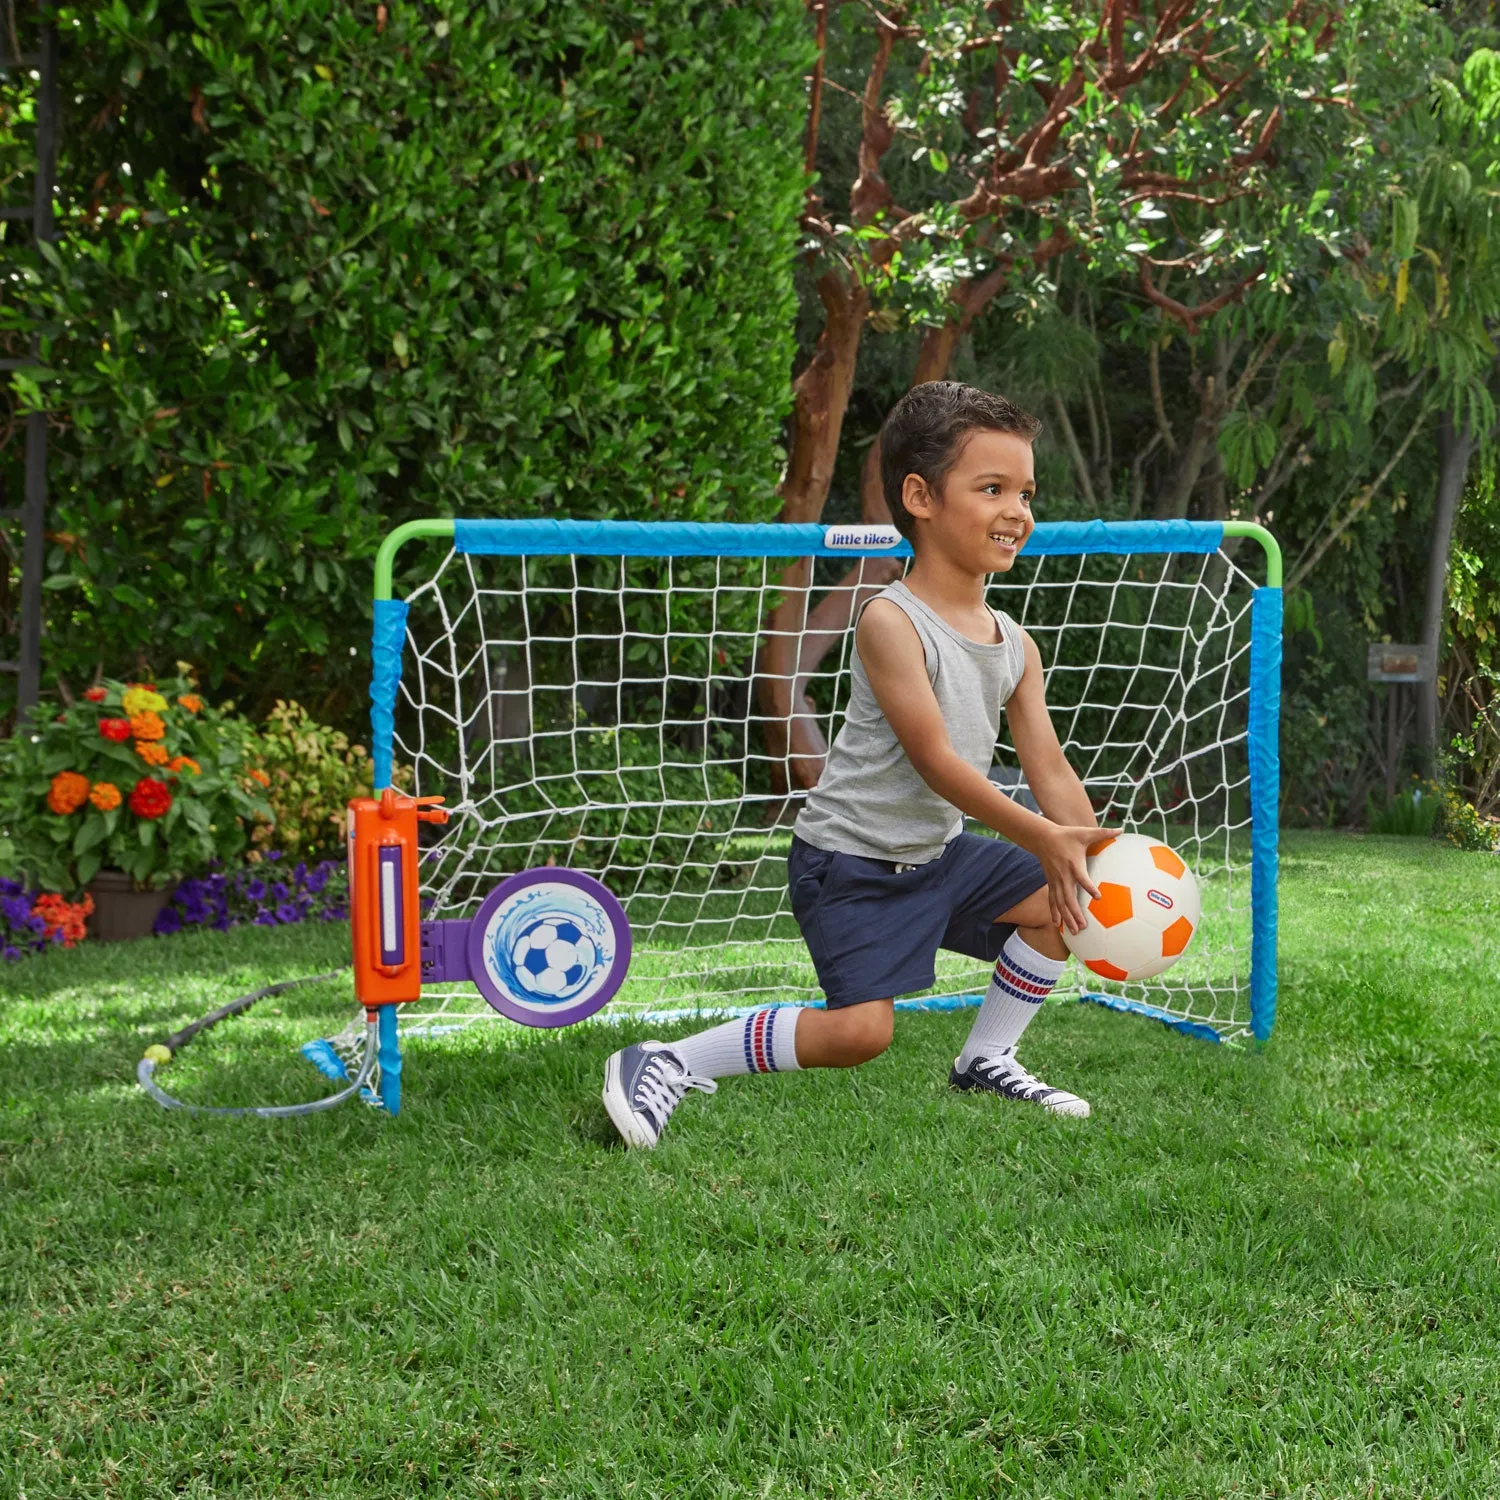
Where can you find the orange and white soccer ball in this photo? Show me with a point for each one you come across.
(1145, 914)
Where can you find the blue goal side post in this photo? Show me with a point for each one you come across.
(592, 693)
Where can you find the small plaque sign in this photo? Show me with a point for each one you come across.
(1389, 662)
(860, 538)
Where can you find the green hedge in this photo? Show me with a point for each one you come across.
(375, 261)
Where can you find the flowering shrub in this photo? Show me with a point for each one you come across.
(269, 894)
(311, 772)
(146, 779)
(1466, 828)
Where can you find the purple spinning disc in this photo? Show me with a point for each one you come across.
(549, 947)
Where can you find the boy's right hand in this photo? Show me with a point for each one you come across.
(1064, 855)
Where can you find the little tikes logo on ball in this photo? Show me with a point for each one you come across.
(1161, 898)
(860, 538)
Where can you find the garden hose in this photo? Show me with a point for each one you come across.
(162, 1053)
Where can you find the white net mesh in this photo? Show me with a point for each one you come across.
(611, 714)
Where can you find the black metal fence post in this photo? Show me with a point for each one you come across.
(33, 511)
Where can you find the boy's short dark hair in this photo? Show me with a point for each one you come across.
(927, 427)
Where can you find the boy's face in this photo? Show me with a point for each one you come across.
(983, 517)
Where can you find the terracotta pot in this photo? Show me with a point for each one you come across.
(120, 910)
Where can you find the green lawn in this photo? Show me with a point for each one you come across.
(1271, 1273)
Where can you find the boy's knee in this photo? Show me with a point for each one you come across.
(866, 1030)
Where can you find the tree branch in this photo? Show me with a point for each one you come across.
(1190, 317)
(1361, 503)
(1163, 427)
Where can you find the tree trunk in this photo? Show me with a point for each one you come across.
(1455, 449)
(1173, 502)
(820, 398)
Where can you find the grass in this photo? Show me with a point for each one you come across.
(1267, 1273)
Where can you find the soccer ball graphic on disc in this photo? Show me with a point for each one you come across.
(1147, 910)
(549, 947)
(553, 956)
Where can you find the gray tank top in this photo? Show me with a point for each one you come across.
(870, 799)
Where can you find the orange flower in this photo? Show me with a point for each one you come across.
(191, 701)
(184, 763)
(105, 796)
(66, 917)
(69, 791)
(258, 775)
(147, 725)
(152, 753)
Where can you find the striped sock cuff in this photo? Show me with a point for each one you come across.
(1023, 973)
(768, 1039)
(759, 1036)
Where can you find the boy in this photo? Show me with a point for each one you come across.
(881, 873)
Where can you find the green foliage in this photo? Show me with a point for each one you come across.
(1412, 813)
(314, 770)
(328, 266)
(1157, 160)
(197, 802)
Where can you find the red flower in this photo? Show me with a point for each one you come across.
(95, 694)
(150, 799)
(117, 730)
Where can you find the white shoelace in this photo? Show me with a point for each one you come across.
(1027, 1085)
(663, 1084)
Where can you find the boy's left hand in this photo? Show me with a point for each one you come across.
(1064, 857)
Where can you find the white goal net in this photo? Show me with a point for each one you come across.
(646, 704)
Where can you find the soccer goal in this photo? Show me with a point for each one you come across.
(645, 703)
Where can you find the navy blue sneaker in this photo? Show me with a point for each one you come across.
(1004, 1075)
(643, 1084)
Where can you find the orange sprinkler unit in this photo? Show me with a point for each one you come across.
(383, 907)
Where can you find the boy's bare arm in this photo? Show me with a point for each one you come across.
(1053, 782)
(897, 669)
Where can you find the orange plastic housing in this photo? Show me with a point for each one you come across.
(384, 914)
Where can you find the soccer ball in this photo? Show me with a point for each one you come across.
(1145, 914)
(553, 956)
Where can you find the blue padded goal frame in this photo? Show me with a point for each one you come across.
(1050, 539)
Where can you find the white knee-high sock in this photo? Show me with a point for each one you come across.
(1023, 978)
(763, 1042)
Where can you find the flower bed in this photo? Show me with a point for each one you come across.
(32, 921)
(269, 893)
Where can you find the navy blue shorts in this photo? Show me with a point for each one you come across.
(874, 931)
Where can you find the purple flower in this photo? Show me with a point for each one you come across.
(12, 953)
(279, 891)
(167, 921)
(317, 880)
(288, 913)
(264, 919)
(17, 910)
(256, 890)
(273, 854)
(299, 874)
